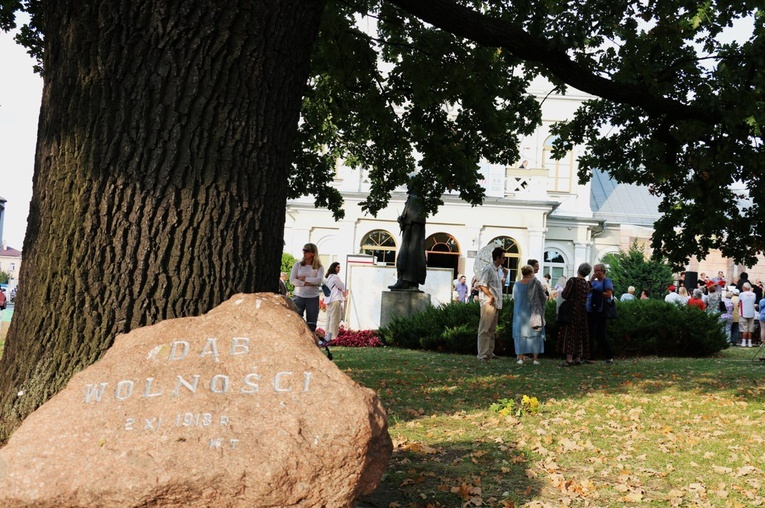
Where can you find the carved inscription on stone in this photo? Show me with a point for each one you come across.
(187, 383)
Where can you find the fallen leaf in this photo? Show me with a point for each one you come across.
(419, 448)
(675, 493)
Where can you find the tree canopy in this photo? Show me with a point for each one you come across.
(439, 85)
(675, 106)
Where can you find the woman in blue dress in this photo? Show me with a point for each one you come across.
(528, 316)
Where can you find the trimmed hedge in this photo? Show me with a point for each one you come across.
(644, 327)
(451, 327)
(654, 327)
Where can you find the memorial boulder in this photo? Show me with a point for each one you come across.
(237, 407)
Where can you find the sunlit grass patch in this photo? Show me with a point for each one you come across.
(660, 431)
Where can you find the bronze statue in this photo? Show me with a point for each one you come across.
(410, 262)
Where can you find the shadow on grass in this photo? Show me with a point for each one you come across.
(452, 473)
(443, 400)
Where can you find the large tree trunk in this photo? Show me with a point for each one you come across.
(163, 152)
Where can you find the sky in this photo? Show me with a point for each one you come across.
(20, 93)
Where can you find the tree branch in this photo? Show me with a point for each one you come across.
(492, 32)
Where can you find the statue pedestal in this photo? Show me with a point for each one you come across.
(402, 304)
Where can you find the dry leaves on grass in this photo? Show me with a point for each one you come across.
(602, 439)
(616, 468)
(469, 493)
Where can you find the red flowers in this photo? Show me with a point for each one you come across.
(356, 338)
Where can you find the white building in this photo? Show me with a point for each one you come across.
(10, 263)
(540, 212)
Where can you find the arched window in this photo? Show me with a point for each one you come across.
(560, 179)
(511, 260)
(443, 251)
(555, 264)
(380, 244)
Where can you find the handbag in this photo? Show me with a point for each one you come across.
(564, 313)
(609, 309)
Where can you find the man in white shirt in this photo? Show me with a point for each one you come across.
(490, 287)
(672, 296)
(746, 304)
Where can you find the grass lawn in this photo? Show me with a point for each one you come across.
(648, 431)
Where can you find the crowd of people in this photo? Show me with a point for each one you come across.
(586, 306)
(740, 305)
(586, 299)
(583, 305)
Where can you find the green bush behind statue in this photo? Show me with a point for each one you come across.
(644, 327)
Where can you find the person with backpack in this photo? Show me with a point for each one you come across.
(335, 301)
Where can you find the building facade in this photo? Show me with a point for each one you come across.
(10, 262)
(535, 208)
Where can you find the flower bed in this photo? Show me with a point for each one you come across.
(356, 338)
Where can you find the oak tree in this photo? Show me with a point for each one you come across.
(172, 132)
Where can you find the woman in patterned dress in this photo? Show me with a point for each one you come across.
(574, 337)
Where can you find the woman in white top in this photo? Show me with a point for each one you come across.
(306, 276)
(334, 301)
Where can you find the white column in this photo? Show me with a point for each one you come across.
(536, 247)
(582, 251)
(348, 243)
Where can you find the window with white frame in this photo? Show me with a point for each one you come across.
(560, 178)
(555, 264)
(380, 244)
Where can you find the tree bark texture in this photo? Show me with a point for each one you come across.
(164, 146)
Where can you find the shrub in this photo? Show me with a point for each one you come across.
(288, 261)
(644, 327)
(460, 339)
(451, 327)
(651, 327)
(660, 328)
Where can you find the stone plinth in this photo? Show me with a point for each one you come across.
(402, 304)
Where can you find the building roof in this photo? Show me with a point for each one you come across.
(621, 202)
(10, 252)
